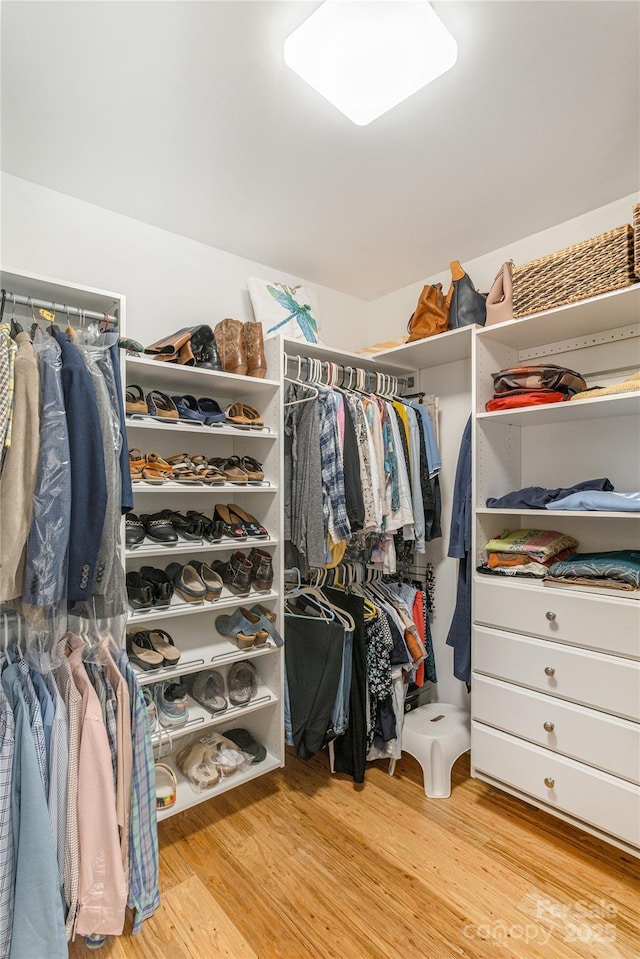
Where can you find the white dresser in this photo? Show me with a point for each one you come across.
(556, 672)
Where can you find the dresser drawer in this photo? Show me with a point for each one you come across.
(591, 679)
(593, 621)
(589, 795)
(591, 737)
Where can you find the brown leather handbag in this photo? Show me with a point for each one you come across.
(169, 346)
(500, 296)
(430, 316)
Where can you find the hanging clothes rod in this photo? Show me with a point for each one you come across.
(17, 299)
(338, 374)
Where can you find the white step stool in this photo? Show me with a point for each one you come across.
(436, 734)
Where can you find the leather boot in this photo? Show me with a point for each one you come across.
(230, 345)
(254, 348)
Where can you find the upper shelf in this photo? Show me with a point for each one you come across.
(328, 354)
(175, 377)
(434, 351)
(609, 311)
(618, 404)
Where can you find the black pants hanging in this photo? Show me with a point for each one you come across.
(313, 655)
(350, 750)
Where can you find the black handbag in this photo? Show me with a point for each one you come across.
(467, 305)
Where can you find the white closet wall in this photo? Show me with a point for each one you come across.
(170, 281)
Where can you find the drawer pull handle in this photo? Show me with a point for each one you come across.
(549, 727)
(551, 617)
(549, 671)
(549, 782)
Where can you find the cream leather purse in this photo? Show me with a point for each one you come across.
(500, 296)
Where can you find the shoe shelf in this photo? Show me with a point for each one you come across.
(188, 795)
(174, 378)
(201, 718)
(200, 657)
(179, 607)
(192, 625)
(264, 724)
(199, 431)
(182, 547)
(141, 486)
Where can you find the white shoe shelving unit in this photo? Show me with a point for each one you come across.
(192, 625)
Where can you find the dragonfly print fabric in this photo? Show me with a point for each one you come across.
(284, 310)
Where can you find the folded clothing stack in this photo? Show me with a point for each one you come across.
(594, 494)
(526, 552)
(534, 385)
(618, 569)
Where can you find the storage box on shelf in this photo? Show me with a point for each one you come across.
(192, 625)
(552, 663)
(597, 265)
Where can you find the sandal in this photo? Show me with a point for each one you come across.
(230, 468)
(156, 470)
(230, 527)
(163, 644)
(142, 653)
(252, 416)
(161, 406)
(183, 471)
(189, 409)
(134, 400)
(253, 469)
(214, 412)
(248, 522)
(137, 462)
(244, 416)
(211, 475)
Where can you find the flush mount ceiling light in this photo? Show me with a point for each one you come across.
(366, 57)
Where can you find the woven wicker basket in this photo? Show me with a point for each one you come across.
(586, 269)
(636, 239)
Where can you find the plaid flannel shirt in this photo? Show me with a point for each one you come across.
(336, 522)
(144, 890)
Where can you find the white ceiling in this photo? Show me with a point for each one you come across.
(183, 115)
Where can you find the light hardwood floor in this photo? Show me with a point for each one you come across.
(304, 865)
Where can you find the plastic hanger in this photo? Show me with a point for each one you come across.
(299, 382)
